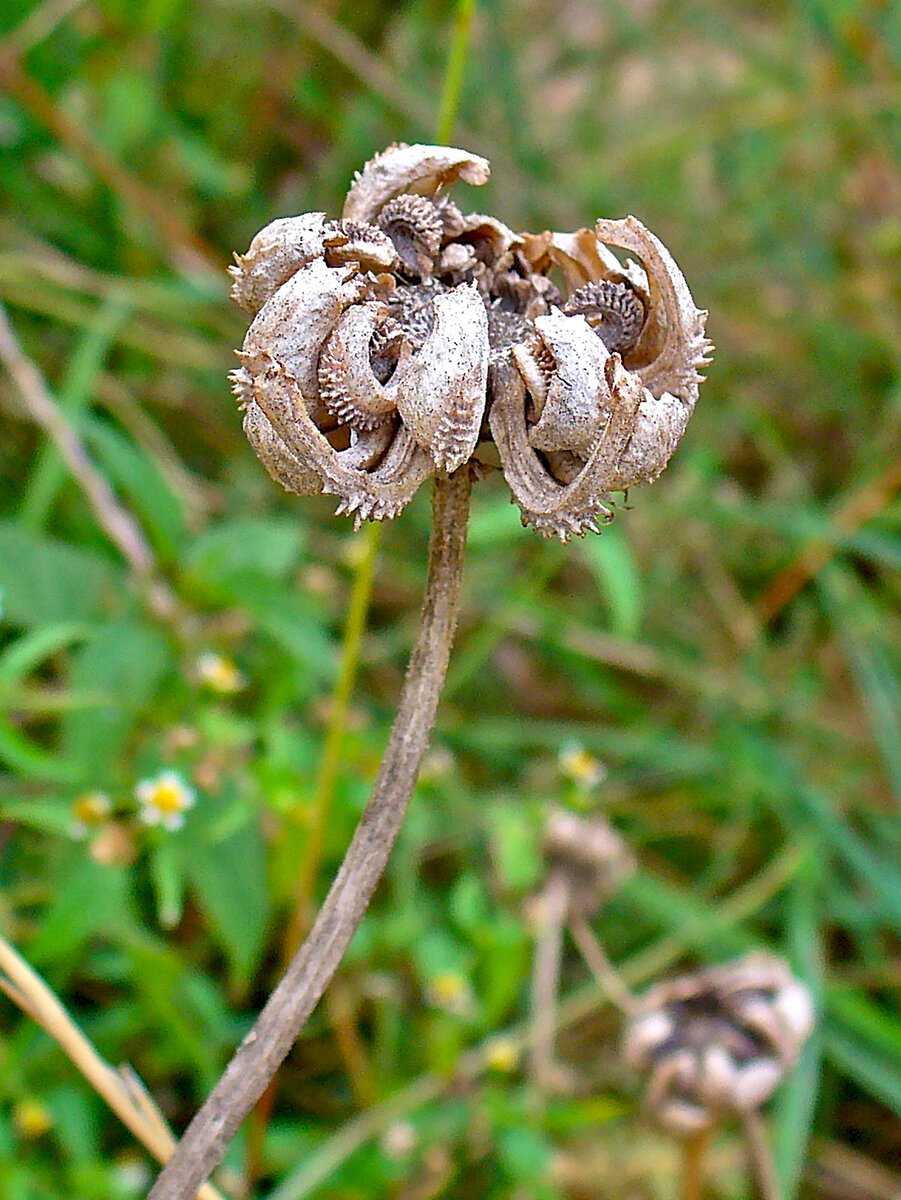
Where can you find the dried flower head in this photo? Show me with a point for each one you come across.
(589, 854)
(719, 1041)
(386, 345)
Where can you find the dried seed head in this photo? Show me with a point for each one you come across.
(381, 340)
(719, 1041)
(590, 854)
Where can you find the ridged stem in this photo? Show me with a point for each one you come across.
(312, 967)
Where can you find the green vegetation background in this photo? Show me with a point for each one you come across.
(750, 738)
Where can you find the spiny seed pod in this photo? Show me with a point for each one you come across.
(719, 1041)
(381, 341)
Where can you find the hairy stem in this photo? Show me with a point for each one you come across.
(265, 1047)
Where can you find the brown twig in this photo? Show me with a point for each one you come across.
(119, 525)
(121, 1089)
(184, 248)
(353, 54)
(37, 25)
(265, 1047)
(856, 510)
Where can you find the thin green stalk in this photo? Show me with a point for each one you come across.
(455, 71)
(355, 624)
(330, 763)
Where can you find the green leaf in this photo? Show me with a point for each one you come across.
(20, 753)
(867, 1067)
(266, 546)
(88, 899)
(523, 1154)
(73, 395)
(796, 1101)
(42, 815)
(160, 508)
(43, 581)
(28, 651)
(612, 563)
(124, 662)
(228, 875)
(168, 877)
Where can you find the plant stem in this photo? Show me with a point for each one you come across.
(121, 1089)
(605, 973)
(265, 1047)
(694, 1162)
(330, 763)
(761, 1155)
(553, 904)
(456, 66)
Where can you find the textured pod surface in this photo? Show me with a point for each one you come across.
(276, 252)
(292, 325)
(441, 390)
(418, 169)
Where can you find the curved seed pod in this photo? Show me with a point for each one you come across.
(348, 386)
(554, 509)
(414, 225)
(352, 241)
(292, 326)
(379, 494)
(366, 447)
(274, 254)
(614, 311)
(490, 237)
(402, 168)
(672, 346)
(577, 402)
(580, 257)
(283, 466)
(441, 389)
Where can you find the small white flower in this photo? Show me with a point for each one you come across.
(582, 768)
(165, 800)
(398, 1140)
(89, 810)
(219, 673)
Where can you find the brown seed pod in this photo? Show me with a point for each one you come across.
(718, 1041)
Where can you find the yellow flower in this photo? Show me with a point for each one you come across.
(31, 1118)
(89, 809)
(219, 673)
(581, 767)
(502, 1054)
(451, 991)
(165, 800)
